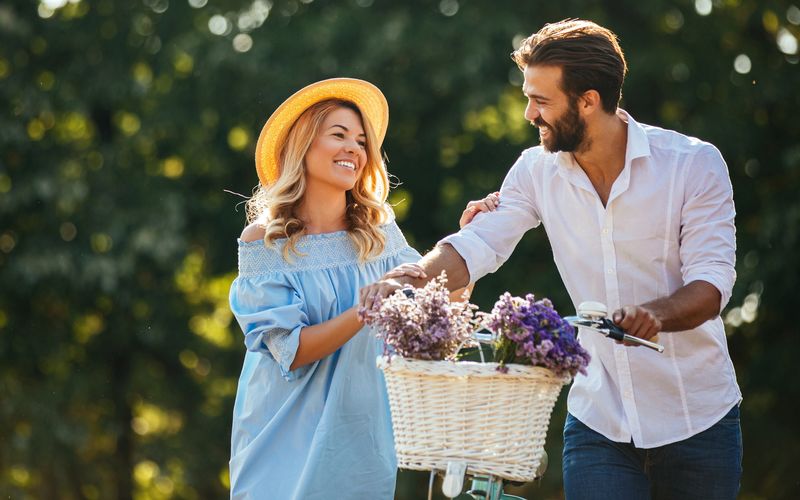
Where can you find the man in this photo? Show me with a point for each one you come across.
(641, 219)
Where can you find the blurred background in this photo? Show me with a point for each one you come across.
(124, 124)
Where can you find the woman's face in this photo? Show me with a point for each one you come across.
(338, 154)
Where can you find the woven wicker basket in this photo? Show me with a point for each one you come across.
(495, 422)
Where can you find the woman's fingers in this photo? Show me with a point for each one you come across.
(487, 204)
(467, 215)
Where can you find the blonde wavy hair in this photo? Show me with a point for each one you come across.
(274, 206)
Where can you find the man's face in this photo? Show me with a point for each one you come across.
(561, 127)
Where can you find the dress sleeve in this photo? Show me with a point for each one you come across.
(409, 254)
(271, 313)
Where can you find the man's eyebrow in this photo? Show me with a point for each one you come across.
(536, 97)
(346, 129)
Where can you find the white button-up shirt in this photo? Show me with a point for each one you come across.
(669, 220)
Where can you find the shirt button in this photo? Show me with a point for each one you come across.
(610, 271)
(605, 231)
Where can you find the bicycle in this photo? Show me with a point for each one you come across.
(591, 316)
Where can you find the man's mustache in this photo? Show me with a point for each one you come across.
(541, 123)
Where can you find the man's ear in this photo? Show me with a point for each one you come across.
(589, 102)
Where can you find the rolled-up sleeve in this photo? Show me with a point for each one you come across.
(708, 233)
(270, 313)
(488, 241)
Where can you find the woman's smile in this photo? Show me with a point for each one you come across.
(346, 164)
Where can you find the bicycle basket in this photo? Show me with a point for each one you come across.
(466, 411)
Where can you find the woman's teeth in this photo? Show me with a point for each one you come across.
(346, 164)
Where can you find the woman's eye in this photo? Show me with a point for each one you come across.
(339, 135)
(363, 144)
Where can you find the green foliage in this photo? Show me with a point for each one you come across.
(123, 123)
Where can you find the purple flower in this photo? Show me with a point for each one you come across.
(424, 326)
(532, 332)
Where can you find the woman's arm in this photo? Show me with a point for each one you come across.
(323, 339)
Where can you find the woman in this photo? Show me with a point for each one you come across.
(311, 418)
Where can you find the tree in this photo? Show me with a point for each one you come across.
(122, 123)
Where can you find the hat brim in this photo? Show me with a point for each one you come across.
(369, 99)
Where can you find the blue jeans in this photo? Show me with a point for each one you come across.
(705, 466)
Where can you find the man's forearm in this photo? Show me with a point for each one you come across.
(687, 308)
(441, 258)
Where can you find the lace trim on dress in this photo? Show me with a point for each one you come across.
(280, 345)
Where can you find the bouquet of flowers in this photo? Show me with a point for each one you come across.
(531, 332)
(425, 324)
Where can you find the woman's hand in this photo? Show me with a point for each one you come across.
(410, 269)
(488, 204)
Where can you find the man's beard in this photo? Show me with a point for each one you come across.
(567, 134)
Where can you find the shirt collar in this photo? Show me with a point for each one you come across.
(638, 145)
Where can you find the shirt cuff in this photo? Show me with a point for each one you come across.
(475, 253)
(717, 282)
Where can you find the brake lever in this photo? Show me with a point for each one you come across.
(608, 328)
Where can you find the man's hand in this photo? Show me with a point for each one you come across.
(688, 307)
(410, 269)
(441, 258)
(382, 288)
(389, 282)
(637, 321)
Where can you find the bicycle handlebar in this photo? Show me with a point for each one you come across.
(608, 328)
(591, 315)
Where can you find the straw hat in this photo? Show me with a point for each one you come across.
(369, 99)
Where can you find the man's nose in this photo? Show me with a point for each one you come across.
(531, 112)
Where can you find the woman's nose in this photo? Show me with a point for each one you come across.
(351, 145)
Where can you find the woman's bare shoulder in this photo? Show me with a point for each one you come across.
(253, 232)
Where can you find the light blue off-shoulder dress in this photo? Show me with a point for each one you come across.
(323, 430)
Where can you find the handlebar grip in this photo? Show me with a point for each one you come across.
(646, 343)
(614, 331)
(617, 333)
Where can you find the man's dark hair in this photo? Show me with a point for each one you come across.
(589, 56)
